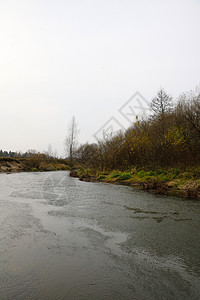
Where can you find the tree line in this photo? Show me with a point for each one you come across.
(27, 154)
(168, 137)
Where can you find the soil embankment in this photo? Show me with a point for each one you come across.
(11, 165)
(172, 185)
(33, 164)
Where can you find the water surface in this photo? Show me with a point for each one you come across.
(61, 238)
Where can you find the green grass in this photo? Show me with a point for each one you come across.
(115, 175)
(180, 183)
(174, 176)
(124, 176)
(101, 177)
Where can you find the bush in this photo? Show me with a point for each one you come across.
(196, 173)
(160, 171)
(164, 178)
(141, 174)
(124, 176)
(115, 175)
(175, 171)
(101, 177)
(186, 175)
(151, 173)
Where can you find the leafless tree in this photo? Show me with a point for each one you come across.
(161, 103)
(71, 140)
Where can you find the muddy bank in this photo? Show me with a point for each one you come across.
(189, 189)
(34, 164)
(11, 165)
(83, 177)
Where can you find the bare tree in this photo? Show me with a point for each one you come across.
(71, 140)
(161, 103)
(49, 151)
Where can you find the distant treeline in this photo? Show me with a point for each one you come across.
(27, 154)
(15, 154)
(168, 137)
(7, 154)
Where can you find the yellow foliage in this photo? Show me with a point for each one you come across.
(175, 138)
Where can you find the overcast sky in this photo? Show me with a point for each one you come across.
(60, 58)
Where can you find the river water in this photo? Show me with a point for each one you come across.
(61, 238)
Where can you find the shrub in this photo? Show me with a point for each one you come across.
(164, 178)
(141, 174)
(187, 175)
(196, 173)
(160, 171)
(101, 177)
(151, 173)
(115, 175)
(175, 171)
(125, 176)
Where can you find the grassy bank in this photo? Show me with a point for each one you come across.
(169, 181)
(36, 163)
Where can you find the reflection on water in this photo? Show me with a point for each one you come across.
(66, 239)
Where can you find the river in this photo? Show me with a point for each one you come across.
(61, 238)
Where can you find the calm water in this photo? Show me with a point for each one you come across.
(61, 238)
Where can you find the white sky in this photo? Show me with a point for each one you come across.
(60, 58)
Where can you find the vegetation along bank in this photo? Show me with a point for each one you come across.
(171, 182)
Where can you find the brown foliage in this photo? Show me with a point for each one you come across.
(170, 138)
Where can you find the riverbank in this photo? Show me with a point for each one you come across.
(32, 164)
(173, 182)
